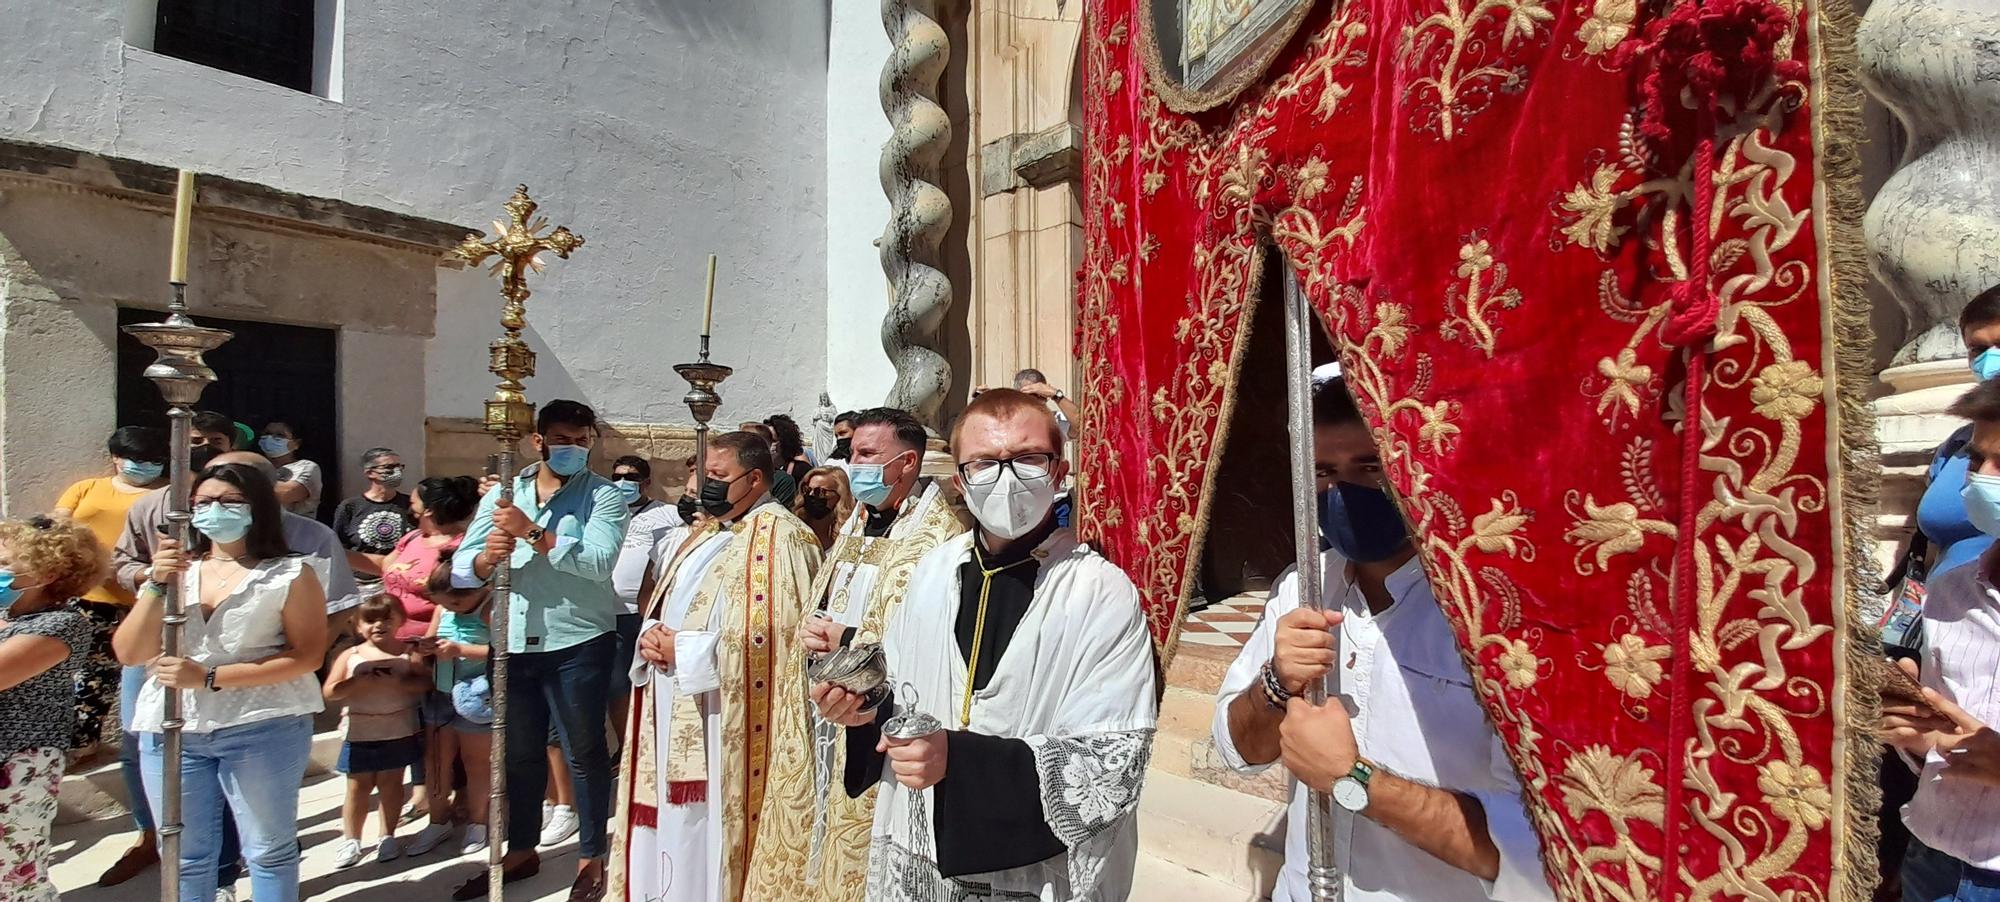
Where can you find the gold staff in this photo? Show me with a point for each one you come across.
(182, 375)
(517, 243)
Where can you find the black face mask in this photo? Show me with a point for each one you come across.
(688, 506)
(817, 507)
(842, 449)
(715, 497)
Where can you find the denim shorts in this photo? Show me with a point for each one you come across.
(382, 755)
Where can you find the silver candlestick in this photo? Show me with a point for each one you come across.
(702, 399)
(181, 375)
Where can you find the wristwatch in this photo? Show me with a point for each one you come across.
(1351, 791)
(1060, 395)
(208, 679)
(535, 535)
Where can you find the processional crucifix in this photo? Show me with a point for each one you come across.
(518, 244)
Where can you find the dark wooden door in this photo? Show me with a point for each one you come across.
(267, 372)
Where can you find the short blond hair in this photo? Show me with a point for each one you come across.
(1006, 404)
(59, 553)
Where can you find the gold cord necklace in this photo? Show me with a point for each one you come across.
(979, 626)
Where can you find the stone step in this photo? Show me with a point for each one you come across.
(1233, 840)
(99, 792)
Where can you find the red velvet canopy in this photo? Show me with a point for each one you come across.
(1494, 206)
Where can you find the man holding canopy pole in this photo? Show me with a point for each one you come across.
(1426, 804)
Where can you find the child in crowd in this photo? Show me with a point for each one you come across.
(382, 683)
(462, 705)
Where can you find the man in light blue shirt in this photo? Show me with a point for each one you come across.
(560, 535)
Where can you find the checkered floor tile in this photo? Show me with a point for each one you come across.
(1225, 624)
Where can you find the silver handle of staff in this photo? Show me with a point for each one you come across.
(1300, 320)
(501, 599)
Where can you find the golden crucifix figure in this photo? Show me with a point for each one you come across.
(518, 243)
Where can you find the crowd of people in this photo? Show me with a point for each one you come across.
(790, 678)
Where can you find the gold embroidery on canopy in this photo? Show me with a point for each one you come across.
(1457, 47)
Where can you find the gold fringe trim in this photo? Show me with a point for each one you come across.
(1253, 295)
(1182, 99)
(1839, 132)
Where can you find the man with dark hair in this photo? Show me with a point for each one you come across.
(1023, 683)
(901, 517)
(651, 519)
(211, 428)
(371, 523)
(717, 634)
(1426, 795)
(560, 535)
(1942, 731)
(843, 430)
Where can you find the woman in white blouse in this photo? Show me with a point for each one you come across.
(256, 629)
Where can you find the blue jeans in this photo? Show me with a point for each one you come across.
(574, 683)
(129, 684)
(1932, 876)
(253, 771)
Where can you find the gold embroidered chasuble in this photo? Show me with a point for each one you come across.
(752, 597)
(805, 809)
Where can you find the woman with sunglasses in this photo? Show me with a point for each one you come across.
(255, 631)
(824, 503)
(44, 640)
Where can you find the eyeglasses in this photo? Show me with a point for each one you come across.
(826, 494)
(200, 503)
(1025, 466)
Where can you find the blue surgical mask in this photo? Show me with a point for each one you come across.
(223, 522)
(140, 472)
(867, 483)
(567, 460)
(9, 593)
(1982, 502)
(629, 489)
(274, 446)
(1987, 364)
(1362, 523)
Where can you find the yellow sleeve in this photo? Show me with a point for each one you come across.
(72, 497)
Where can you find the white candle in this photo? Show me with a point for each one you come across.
(177, 269)
(708, 304)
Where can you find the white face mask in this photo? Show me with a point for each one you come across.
(1011, 507)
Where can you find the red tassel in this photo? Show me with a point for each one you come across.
(645, 816)
(687, 792)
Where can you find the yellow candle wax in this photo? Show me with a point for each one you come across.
(177, 270)
(708, 304)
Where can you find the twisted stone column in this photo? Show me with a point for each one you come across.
(919, 210)
(1933, 230)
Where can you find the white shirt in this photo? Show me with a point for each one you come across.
(1962, 662)
(644, 531)
(248, 625)
(305, 473)
(1417, 717)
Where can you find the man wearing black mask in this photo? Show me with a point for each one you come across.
(1423, 789)
(716, 632)
(843, 435)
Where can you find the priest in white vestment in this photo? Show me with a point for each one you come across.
(1031, 652)
(719, 622)
(812, 844)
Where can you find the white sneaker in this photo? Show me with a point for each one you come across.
(389, 850)
(225, 894)
(475, 839)
(559, 825)
(347, 854)
(429, 838)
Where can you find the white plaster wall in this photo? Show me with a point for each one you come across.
(858, 373)
(381, 403)
(53, 350)
(660, 130)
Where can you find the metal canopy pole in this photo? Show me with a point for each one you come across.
(1299, 323)
(517, 243)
